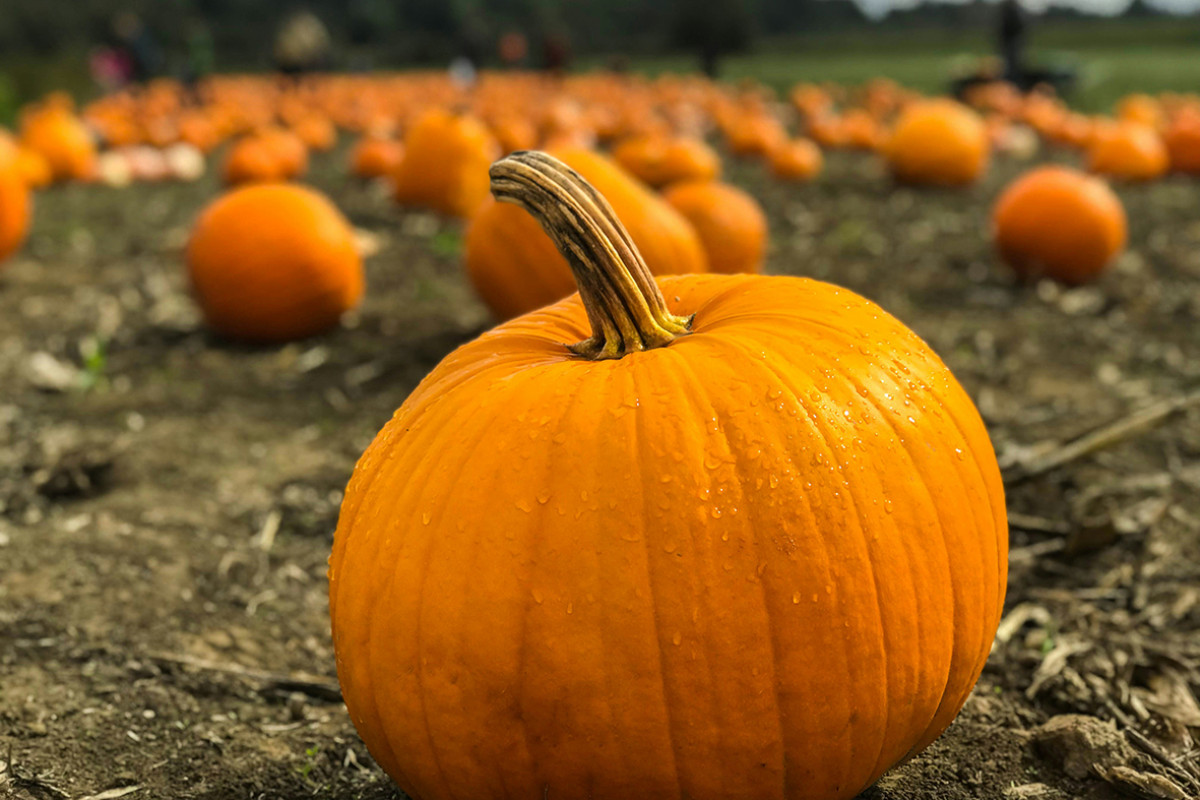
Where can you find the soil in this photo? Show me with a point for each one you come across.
(167, 499)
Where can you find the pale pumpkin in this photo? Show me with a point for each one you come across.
(515, 266)
(745, 538)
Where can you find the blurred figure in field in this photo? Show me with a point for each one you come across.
(302, 45)
(1013, 28)
(556, 52)
(512, 49)
(138, 45)
(110, 68)
(201, 54)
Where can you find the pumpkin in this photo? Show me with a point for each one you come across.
(34, 168)
(1142, 109)
(1058, 222)
(1182, 140)
(273, 262)
(756, 135)
(1130, 151)
(662, 160)
(317, 133)
(376, 157)
(61, 138)
(289, 150)
(445, 165)
(251, 160)
(731, 224)
(514, 133)
(797, 160)
(746, 537)
(938, 142)
(515, 267)
(16, 205)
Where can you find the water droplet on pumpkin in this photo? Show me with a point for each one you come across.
(677, 638)
(524, 506)
(425, 518)
(543, 497)
(960, 454)
(716, 512)
(670, 548)
(570, 608)
(796, 598)
(537, 597)
(887, 505)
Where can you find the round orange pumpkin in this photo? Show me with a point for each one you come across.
(252, 160)
(376, 157)
(731, 224)
(273, 262)
(516, 268)
(746, 538)
(61, 138)
(1130, 151)
(1058, 222)
(662, 160)
(797, 160)
(445, 165)
(938, 142)
(33, 168)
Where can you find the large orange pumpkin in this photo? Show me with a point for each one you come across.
(516, 268)
(16, 205)
(273, 262)
(1059, 222)
(445, 165)
(1129, 151)
(746, 538)
(938, 142)
(731, 224)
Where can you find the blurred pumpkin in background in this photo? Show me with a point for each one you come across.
(16, 203)
(731, 224)
(1058, 222)
(661, 160)
(938, 142)
(273, 262)
(376, 157)
(54, 132)
(1131, 151)
(797, 160)
(445, 165)
(1182, 140)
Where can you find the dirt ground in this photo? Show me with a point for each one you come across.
(167, 499)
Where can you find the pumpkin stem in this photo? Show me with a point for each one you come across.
(624, 305)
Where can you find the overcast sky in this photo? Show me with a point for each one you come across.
(877, 8)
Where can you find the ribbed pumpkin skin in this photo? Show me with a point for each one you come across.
(273, 262)
(516, 268)
(766, 561)
(446, 164)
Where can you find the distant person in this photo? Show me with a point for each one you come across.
(302, 45)
(110, 68)
(1013, 27)
(140, 48)
(556, 52)
(512, 49)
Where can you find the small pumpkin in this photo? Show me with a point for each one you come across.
(445, 165)
(1130, 151)
(797, 160)
(33, 168)
(515, 267)
(661, 160)
(731, 224)
(273, 262)
(1059, 222)
(62, 139)
(938, 142)
(317, 133)
(252, 160)
(742, 532)
(376, 157)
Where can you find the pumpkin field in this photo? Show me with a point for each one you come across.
(865, 463)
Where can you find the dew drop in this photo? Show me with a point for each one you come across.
(677, 638)
(796, 598)
(425, 518)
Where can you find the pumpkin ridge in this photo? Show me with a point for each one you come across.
(635, 448)
(824, 437)
(694, 385)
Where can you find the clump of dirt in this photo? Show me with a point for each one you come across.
(167, 499)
